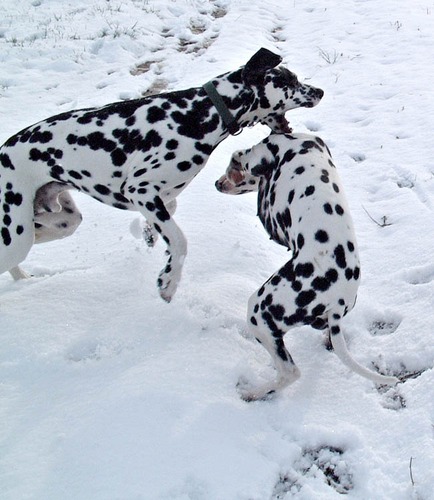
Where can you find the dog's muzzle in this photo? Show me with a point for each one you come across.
(219, 184)
(315, 95)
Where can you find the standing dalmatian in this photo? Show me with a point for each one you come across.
(302, 207)
(137, 155)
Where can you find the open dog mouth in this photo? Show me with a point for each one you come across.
(278, 124)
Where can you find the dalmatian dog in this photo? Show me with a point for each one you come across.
(139, 154)
(302, 206)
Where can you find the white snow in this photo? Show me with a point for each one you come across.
(107, 392)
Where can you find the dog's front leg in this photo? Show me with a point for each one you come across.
(158, 217)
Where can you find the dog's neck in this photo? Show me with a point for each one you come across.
(237, 98)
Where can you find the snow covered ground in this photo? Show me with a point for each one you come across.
(107, 392)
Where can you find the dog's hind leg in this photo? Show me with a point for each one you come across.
(16, 232)
(266, 331)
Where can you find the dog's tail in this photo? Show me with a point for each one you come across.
(340, 347)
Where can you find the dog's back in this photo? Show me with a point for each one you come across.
(302, 206)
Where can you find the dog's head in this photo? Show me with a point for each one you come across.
(276, 90)
(237, 179)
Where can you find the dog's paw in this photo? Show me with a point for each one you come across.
(165, 294)
(18, 274)
(167, 283)
(141, 230)
(249, 393)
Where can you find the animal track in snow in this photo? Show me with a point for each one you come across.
(419, 275)
(407, 179)
(358, 157)
(199, 33)
(277, 33)
(384, 325)
(326, 463)
(392, 398)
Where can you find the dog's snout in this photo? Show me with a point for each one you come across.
(219, 185)
(314, 96)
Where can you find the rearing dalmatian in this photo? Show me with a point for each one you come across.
(136, 155)
(302, 207)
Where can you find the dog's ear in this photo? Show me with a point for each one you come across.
(254, 71)
(263, 169)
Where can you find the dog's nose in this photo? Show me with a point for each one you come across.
(218, 185)
(319, 93)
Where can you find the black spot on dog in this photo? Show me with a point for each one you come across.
(277, 311)
(41, 137)
(183, 166)
(101, 189)
(328, 209)
(169, 156)
(305, 298)
(12, 198)
(56, 172)
(304, 270)
(300, 241)
(339, 210)
(309, 191)
(339, 254)
(287, 271)
(197, 160)
(204, 148)
(7, 240)
(280, 349)
(321, 284)
(172, 144)
(75, 175)
(318, 310)
(332, 275)
(6, 161)
(288, 156)
(321, 236)
(155, 114)
(118, 157)
(276, 280)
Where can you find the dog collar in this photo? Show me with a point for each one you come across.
(227, 117)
